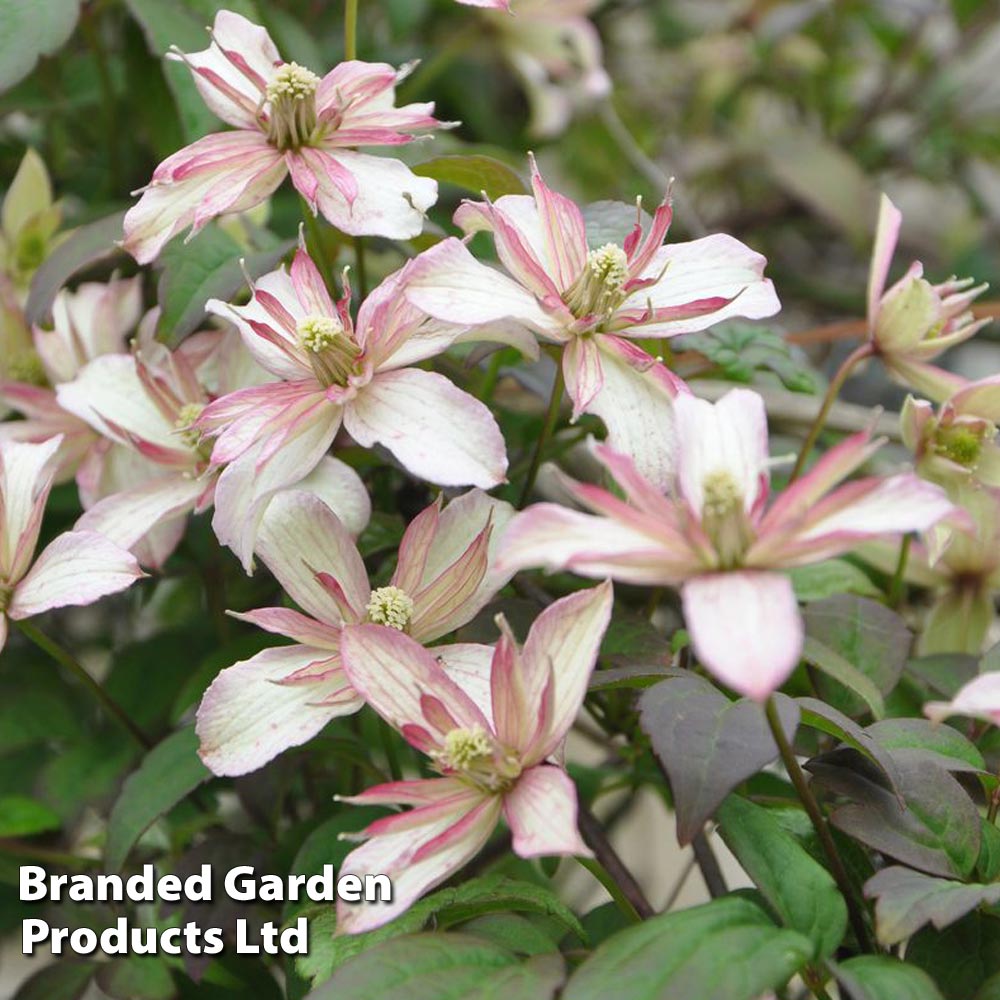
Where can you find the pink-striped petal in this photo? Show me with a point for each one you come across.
(745, 628)
(301, 536)
(437, 431)
(76, 568)
(248, 716)
(418, 850)
(886, 236)
(395, 675)
(541, 811)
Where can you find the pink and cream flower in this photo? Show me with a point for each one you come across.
(493, 722)
(148, 404)
(287, 120)
(957, 443)
(283, 696)
(979, 699)
(77, 567)
(913, 322)
(715, 535)
(334, 372)
(594, 301)
(92, 321)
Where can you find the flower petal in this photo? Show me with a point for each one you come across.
(541, 811)
(76, 568)
(979, 699)
(727, 436)
(437, 431)
(552, 537)
(26, 475)
(248, 716)
(390, 200)
(745, 628)
(564, 639)
(227, 172)
(300, 536)
(394, 674)
(418, 850)
(886, 236)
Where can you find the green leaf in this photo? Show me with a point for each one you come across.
(962, 957)
(707, 743)
(67, 979)
(834, 665)
(990, 990)
(137, 977)
(166, 23)
(802, 892)
(725, 950)
(740, 350)
(32, 28)
(475, 173)
(443, 967)
(206, 268)
(988, 863)
(488, 894)
(513, 932)
(926, 740)
(944, 673)
(85, 246)
(818, 715)
(938, 829)
(905, 900)
(825, 579)
(167, 774)
(875, 977)
(24, 817)
(871, 638)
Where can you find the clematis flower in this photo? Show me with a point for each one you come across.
(77, 567)
(555, 51)
(914, 321)
(287, 121)
(334, 372)
(716, 536)
(29, 220)
(592, 301)
(960, 566)
(979, 699)
(149, 403)
(94, 320)
(958, 443)
(284, 696)
(492, 730)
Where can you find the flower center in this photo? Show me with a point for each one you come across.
(962, 444)
(6, 593)
(27, 367)
(723, 517)
(390, 606)
(331, 351)
(474, 755)
(291, 94)
(184, 424)
(599, 290)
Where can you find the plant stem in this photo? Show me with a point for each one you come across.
(65, 659)
(351, 30)
(856, 356)
(91, 32)
(614, 891)
(551, 419)
(19, 849)
(708, 865)
(389, 748)
(896, 586)
(316, 246)
(994, 806)
(609, 869)
(815, 814)
(490, 377)
(359, 259)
